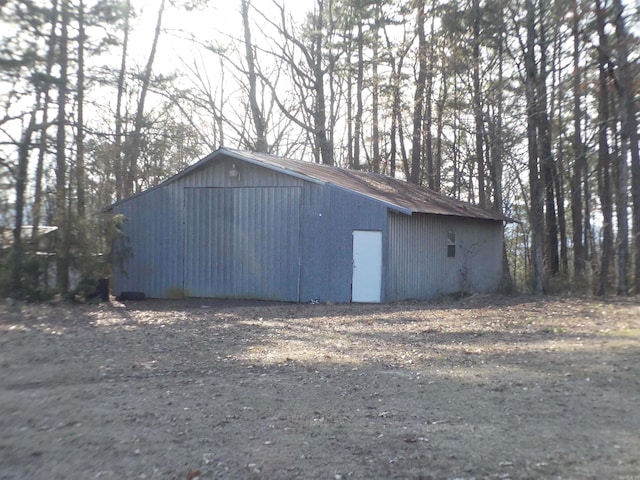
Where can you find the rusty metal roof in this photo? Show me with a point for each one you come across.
(396, 194)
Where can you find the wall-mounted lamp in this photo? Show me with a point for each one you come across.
(234, 172)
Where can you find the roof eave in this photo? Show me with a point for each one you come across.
(391, 206)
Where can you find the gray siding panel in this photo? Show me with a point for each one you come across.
(217, 175)
(418, 263)
(155, 229)
(154, 242)
(242, 242)
(329, 216)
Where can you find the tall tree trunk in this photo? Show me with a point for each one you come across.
(477, 103)
(396, 119)
(393, 148)
(259, 122)
(331, 75)
(497, 158)
(560, 205)
(418, 99)
(579, 166)
(21, 186)
(320, 114)
(496, 134)
(219, 120)
(547, 166)
(61, 214)
(348, 40)
(80, 163)
(349, 119)
(136, 136)
(604, 175)
(622, 224)
(428, 114)
(375, 94)
(42, 150)
(437, 181)
(36, 210)
(403, 150)
(536, 208)
(558, 166)
(375, 119)
(589, 248)
(455, 156)
(120, 173)
(629, 127)
(357, 134)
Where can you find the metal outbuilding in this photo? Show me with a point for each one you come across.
(247, 225)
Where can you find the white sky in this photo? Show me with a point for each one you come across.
(214, 23)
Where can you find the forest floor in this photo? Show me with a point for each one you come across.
(484, 387)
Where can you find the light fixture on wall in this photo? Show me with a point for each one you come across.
(234, 173)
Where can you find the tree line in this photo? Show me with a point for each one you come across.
(526, 107)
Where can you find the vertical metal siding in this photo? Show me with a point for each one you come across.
(154, 237)
(242, 242)
(217, 175)
(418, 264)
(481, 247)
(329, 216)
(155, 229)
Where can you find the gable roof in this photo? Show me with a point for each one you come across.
(395, 194)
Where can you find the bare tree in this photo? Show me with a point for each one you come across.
(307, 64)
(133, 150)
(259, 121)
(119, 160)
(580, 161)
(547, 162)
(536, 204)
(396, 60)
(628, 115)
(477, 102)
(62, 214)
(604, 173)
(418, 98)
(80, 94)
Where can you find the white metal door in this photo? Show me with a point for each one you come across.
(366, 282)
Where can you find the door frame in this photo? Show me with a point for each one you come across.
(366, 274)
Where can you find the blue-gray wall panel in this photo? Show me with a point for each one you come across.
(329, 216)
(155, 227)
(155, 239)
(242, 242)
(216, 174)
(418, 263)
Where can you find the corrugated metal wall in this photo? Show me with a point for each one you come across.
(329, 216)
(154, 242)
(418, 264)
(242, 242)
(156, 232)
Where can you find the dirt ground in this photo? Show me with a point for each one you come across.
(483, 387)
